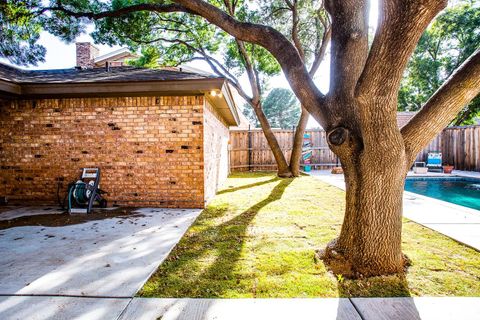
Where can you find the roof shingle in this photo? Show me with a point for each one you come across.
(114, 74)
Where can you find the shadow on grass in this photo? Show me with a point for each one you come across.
(247, 186)
(250, 174)
(218, 247)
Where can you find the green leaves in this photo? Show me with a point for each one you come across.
(281, 108)
(19, 32)
(22, 21)
(262, 60)
(149, 58)
(176, 37)
(446, 44)
(310, 29)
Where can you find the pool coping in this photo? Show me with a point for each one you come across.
(457, 222)
(454, 177)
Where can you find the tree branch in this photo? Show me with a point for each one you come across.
(153, 7)
(349, 44)
(320, 54)
(295, 22)
(443, 106)
(223, 71)
(321, 45)
(234, 82)
(252, 75)
(400, 26)
(273, 41)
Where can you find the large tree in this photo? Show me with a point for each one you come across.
(358, 113)
(447, 43)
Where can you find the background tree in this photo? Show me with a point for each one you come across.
(307, 25)
(281, 108)
(149, 58)
(250, 115)
(358, 112)
(445, 45)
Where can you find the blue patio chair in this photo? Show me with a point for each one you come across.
(434, 162)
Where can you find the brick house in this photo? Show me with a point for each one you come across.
(159, 136)
(88, 56)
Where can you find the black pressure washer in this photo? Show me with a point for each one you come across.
(85, 192)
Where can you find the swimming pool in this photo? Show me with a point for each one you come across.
(458, 190)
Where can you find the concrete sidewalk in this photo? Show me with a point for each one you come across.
(42, 308)
(457, 222)
(304, 309)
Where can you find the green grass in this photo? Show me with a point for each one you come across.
(257, 239)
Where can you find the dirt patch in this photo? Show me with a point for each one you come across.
(65, 219)
(4, 208)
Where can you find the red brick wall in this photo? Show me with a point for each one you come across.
(85, 53)
(149, 148)
(216, 151)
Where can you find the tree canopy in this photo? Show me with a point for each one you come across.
(445, 45)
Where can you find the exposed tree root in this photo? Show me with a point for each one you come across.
(337, 263)
(286, 174)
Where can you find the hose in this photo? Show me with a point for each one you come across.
(70, 190)
(80, 192)
(61, 202)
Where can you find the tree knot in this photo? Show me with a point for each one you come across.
(337, 136)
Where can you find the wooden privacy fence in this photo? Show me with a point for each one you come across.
(249, 149)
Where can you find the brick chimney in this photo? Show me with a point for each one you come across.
(86, 52)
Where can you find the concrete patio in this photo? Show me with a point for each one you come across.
(110, 258)
(457, 222)
(42, 268)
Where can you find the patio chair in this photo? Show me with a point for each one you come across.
(434, 162)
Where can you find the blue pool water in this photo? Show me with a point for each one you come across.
(458, 190)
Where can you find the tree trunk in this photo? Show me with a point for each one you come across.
(370, 239)
(298, 143)
(375, 165)
(283, 170)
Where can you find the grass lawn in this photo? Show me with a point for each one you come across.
(257, 239)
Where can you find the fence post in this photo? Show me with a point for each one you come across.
(249, 149)
(293, 143)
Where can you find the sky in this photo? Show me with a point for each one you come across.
(61, 55)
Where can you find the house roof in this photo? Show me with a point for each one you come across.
(115, 74)
(121, 53)
(116, 81)
(403, 117)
